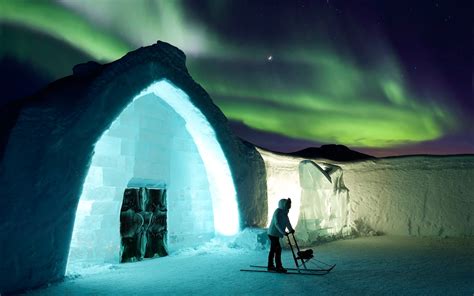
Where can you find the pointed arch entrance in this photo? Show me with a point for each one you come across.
(160, 140)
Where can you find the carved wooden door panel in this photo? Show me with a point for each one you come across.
(158, 229)
(143, 224)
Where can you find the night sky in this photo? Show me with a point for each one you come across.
(381, 77)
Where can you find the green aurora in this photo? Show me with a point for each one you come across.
(313, 92)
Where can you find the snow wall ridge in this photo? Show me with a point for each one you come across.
(414, 196)
(418, 195)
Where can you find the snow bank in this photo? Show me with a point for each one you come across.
(422, 195)
(249, 239)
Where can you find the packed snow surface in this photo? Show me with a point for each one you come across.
(381, 265)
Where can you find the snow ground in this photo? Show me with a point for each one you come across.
(383, 265)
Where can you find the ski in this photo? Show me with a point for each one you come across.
(301, 269)
(288, 272)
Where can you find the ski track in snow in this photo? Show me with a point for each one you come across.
(384, 265)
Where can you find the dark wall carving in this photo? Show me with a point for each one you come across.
(143, 224)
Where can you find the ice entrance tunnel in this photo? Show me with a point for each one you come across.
(159, 143)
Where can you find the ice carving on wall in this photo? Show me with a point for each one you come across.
(324, 209)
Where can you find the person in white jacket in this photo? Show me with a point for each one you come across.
(277, 230)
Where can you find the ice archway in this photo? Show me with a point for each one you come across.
(161, 140)
(48, 143)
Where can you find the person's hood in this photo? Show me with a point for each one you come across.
(283, 204)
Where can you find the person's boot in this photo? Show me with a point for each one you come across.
(280, 269)
(271, 267)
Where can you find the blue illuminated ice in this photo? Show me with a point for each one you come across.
(226, 215)
(160, 140)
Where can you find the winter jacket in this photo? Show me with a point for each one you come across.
(280, 220)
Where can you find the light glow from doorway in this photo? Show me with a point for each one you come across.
(136, 148)
(221, 183)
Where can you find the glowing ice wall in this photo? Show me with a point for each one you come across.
(160, 138)
(319, 207)
(166, 154)
(222, 188)
(282, 182)
(96, 236)
(324, 205)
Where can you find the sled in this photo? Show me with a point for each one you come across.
(305, 256)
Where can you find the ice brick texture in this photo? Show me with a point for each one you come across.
(147, 141)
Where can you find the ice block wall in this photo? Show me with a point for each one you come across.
(148, 142)
(167, 152)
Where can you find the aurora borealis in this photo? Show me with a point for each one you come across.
(367, 76)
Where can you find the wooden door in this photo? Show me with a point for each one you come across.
(143, 224)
